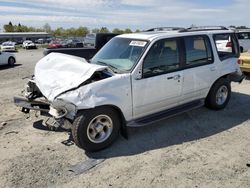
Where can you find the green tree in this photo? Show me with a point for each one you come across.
(59, 31)
(242, 27)
(104, 30)
(117, 31)
(8, 27)
(137, 31)
(19, 28)
(82, 31)
(128, 30)
(95, 30)
(232, 26)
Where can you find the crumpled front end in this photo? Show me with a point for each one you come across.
(55, 75)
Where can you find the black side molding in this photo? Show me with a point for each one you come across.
(166, 114)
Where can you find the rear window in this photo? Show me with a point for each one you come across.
(227, 45)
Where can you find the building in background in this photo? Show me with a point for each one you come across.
(19, 37)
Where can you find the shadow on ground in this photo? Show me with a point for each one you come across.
(247, 77)
(190, 126)
(3, 67)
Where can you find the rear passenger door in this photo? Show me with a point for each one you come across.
(200, 70)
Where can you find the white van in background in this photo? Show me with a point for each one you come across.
(244, 40)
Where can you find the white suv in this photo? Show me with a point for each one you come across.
(133, 80)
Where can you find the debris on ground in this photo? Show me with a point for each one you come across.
(2, 125)
(85, 166)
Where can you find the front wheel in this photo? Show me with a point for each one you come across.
(96, 129)
(219, 95)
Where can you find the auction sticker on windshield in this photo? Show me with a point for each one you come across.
(137, 43)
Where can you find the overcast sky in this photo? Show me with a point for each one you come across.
(134, 14)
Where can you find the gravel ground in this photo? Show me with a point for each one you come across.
(201, 148)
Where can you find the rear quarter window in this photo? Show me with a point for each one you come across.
(227, 45)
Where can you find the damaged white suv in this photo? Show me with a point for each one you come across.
(133, 80)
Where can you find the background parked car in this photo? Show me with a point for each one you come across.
(90, 39)
(244, 40)
(223, 43)
(74, 43)
(7, 58)
(8, 46)
(244, 62)
(40, 41)
(55, 44)
(28, 44)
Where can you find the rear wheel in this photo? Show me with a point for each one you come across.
(219, 95)
(96, 129)
(11, 61)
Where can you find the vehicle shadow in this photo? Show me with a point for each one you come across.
(3, 67)
(187, 127)
(247, 77)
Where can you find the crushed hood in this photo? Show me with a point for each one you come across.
(57, 73)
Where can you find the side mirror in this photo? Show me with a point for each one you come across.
(138, 74)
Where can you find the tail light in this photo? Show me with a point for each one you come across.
(229, 45)
(239, 61)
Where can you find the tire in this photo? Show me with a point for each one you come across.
(219, 95)
(11, 61)
(85, 128)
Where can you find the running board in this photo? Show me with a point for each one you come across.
(165, 114)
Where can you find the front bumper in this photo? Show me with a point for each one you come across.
(37, 105)
(44, 107)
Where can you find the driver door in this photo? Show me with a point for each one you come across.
(161, 85)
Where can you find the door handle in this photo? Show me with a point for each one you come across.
(175, 77)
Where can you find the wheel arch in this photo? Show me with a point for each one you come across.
(123, 127)
(11, 57)
(226, 76)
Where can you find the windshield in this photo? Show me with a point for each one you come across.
(120, 54)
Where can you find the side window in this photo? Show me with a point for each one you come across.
(227, 45)
(162, 57)
(198, 50)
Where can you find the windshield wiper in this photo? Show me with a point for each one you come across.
(113, 68)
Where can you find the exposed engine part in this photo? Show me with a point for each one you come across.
(31, 90)
(53, 124)
(58, 113)
(61, 108)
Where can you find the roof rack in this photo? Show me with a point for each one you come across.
(165, 29)
(204, 28)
